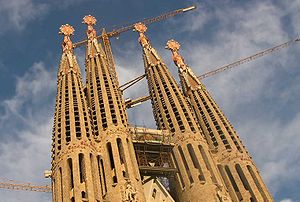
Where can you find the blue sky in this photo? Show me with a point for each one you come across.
(260, 98)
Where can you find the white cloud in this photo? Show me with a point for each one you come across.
(286, 200)
(17, 14)
(26, 132)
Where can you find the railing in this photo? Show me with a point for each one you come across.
(140, 134)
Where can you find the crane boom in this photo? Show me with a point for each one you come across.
(118, 31)
(25, 187)
(249, 59)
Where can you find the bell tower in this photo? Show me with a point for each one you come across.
(237, 168)
(197, 179)
(75, 173)
(121, 178)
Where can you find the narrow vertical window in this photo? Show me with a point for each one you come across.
(207, 163)
(110, 153)
(185, 165)
(244, 179)
(61, 184)
(81, 168)
(111, 159)
(258, 185)
(70, 164)
(102, 175)
(180, 179)
(196, 162)
(122, 156)
(95, 176)
(233, 183)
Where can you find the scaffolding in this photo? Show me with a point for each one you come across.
(153, 150)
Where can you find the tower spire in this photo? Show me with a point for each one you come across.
(74, 164)
(197, 173)
(121, 174)
(234, 163)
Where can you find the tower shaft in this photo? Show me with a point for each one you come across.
(237, 169)
(121, 174)
(198, 179)
(74, 160)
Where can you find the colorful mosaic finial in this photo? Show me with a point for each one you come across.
(140, 27)
(173, 45)
(66, 30)
(89, 20)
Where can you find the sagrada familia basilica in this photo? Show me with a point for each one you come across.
(194, 155)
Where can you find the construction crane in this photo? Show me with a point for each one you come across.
(223, 68)
(117, 32)
(249, 58)
(25, 186)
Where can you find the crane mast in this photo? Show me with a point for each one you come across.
(25, 187)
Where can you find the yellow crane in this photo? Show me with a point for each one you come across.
(25, 186)
(117, 32)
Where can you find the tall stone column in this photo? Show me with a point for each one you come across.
(75, 176)
(109, 118)
(234, 163)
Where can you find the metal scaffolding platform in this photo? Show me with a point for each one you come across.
(153, 149)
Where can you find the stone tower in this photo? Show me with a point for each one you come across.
(198, 178)
(237, 169)
(121, 179)
(75, 173)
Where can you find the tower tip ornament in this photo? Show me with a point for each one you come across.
(89, 20)
(91, 34)
(177, 58)
(141, 29)
(172, 45)
(66, 30)
(67, 45)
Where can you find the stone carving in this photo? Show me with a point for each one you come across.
(67, 45)
(177, 58)
(130, 193)
(91, 33)
(190, 78)
(222, 195)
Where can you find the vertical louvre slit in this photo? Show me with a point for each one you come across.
(233, 183)
(179, 172)
(258, 185)
(207, 163)
(196, 162)
(81, 168)
(185, 165)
